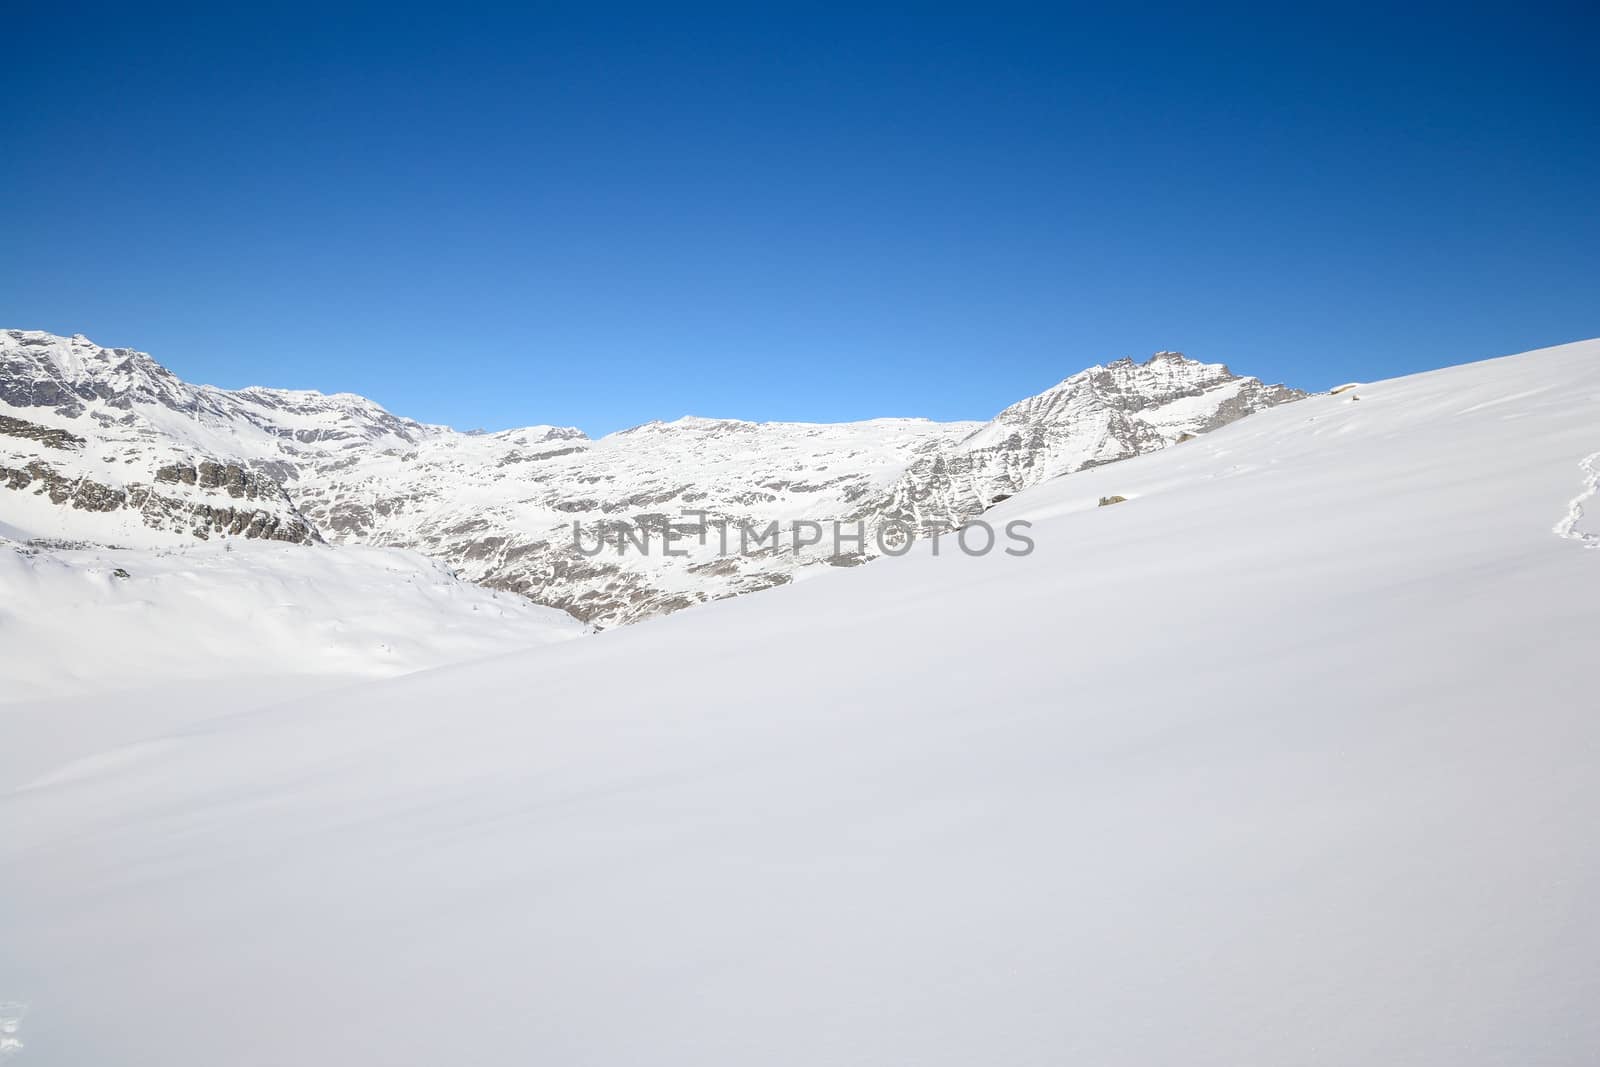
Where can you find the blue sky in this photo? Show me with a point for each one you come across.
(597, 218)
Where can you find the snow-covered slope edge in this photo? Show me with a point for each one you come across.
(106, 445)
(1289, 758)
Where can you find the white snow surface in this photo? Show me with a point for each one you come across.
(1288, 759)
(71, 624)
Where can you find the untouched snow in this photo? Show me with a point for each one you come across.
(1288, 759)
(69, 624)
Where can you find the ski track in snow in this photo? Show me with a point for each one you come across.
(1568, 526)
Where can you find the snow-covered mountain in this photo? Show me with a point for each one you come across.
(106, 446)
(1289, 758)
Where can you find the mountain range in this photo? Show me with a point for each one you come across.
(105, 446)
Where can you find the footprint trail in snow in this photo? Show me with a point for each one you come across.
(1568, 526)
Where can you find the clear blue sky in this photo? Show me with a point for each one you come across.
(601, 217)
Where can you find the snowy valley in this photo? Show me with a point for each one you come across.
(1287, 757)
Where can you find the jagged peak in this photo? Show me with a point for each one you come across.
(1159, 360)
(700, 422)
(694, 423)
(537, 434)
(82, 367)
(315, 397)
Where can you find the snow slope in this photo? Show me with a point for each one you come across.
(1288, 759)
(71, 623)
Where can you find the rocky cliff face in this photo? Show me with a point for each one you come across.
(1096, 416)
(106, 445)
